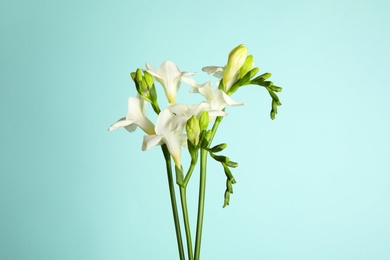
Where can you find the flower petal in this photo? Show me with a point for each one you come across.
(216, 71)
(123, 122)
(151, 141)
(136, 112)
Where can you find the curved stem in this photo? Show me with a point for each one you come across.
(190, 170)
(167, 157)
(183, 199)
(202, 190)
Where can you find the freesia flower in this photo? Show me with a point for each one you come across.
(169, 75)
(217, 99)
(170, 127)
(168, 130)
(135, 117)
(187, 111)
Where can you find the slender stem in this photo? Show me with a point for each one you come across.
(190, 170)
(202, 190)
(167, 157)
(183, 199)
(215, 127)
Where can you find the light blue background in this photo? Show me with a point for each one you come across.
(313, 184)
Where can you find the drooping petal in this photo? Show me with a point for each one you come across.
(151, 141)
(222, 100)
(123, 122)
(205, 89)
(216, 71)
(135, 117)
(136, 113)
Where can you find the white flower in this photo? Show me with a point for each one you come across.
(168, 130)
(170, 126)
(169, 75)
(187, 111)
(135, 117)
(217, 99)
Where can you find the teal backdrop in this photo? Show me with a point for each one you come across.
(313, 184)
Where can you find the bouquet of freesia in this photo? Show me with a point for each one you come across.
(186, 125)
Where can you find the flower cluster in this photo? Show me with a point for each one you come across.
(187, 125)
(177, 125)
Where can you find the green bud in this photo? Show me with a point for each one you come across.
(139, 76)
(275, 88)
(218, 148)
(274, 96)
(229, 174)
(231, 164)
(193, 130)
(149, 79)
(132, 75)
(229, 186)
(272, 114)
(227, 199)
(220, 158)
(208, 135)
(246, 67)
(204, 120)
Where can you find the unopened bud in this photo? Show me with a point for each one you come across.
(236, 59)
(149, 79)
(193, 130)
(246, 67)
(204, 120)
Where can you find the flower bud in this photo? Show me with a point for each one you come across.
(149, 79)
(246, 67)
(193, 130)
(236, 59)
(204, 120)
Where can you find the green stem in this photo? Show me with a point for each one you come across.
(190, 170)
(215, 127)
(183, 199)
(167, 157)
(202, 190)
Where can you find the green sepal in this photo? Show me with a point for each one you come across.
(218, 148)
(193, 150)
(179, 177)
